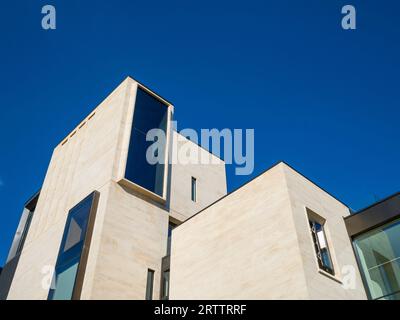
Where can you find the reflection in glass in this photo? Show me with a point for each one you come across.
(71, 250)
(378, 253)
(321, 246)
(194, 189)
(149, 113)
(165, 285)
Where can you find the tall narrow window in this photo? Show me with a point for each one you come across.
(321, 246)
(171, 226)
(194, 191)
(24, 232)
(149, 113)
(149, 286)
(165, 285)
(74, 249)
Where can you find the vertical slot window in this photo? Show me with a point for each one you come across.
(321, 246)
(194, 189)
(149, 285)
(165, 285)
(171, 226)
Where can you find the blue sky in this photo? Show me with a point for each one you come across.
(321, 98)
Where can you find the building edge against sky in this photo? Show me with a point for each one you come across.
(104, 219)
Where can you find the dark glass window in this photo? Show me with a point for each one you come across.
(165, 285)
(194, 189)
(149, 286)
(321, 246)
(24, 232)
(69, 256)
(378, 254)
(149, 113)
(171, 226)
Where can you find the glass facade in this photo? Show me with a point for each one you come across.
(378, 254)
(321, 247)
(70, 253)
(149, 113)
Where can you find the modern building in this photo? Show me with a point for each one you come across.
(107, 224)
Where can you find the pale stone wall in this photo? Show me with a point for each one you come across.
(78, 167)
(130, 231)
(211, 179)
(133, 240)
(304, 194)
(243, 247)
(256, 244)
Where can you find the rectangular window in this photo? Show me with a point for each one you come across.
(23, 228)
(321, 245)
(149, 286)
(71, 260)
(194, 191)
(149, 113)
(165, 285)
(378, 254)
(171, 226)
(24, 232)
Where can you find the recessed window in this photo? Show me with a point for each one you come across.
(149, 113)
(165, 285)
(149, 285)
(171, 226)
(194, 189)
(74, 246)
(320, 243)
(24, 232)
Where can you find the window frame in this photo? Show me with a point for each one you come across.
(131, 184)
(313, 217)
(82, 259)
(150, 284)
(362, 271)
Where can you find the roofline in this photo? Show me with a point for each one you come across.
(106, 97)
(374, 204)
(151, 91)
(257, 176)
(32, 197)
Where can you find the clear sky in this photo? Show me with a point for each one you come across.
(321, 98)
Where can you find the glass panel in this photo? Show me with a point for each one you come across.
(65, 282)
(70, 250)
(149, 286)
(194, 191)
(321, 247)
(378, 253)
(77, 226)
(149, 113)
(25, 232)
(166, 285)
